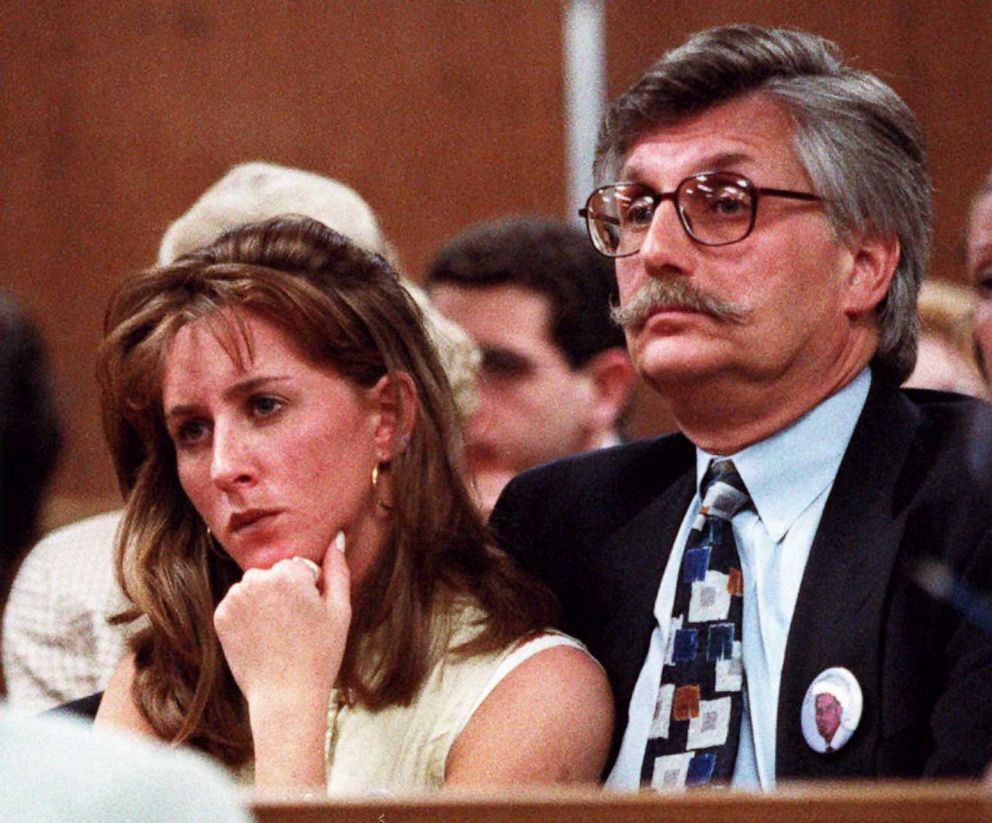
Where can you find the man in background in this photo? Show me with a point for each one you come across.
(30, 438)
(555, 377)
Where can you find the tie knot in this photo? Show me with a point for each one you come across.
(723, 491)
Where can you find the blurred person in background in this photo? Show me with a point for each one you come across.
(978, 260)
(30, 437)
(946, 355)
(555, 377)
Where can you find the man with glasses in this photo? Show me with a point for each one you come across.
(555, 377)
(768, 210)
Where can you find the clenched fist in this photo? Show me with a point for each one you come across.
(283, 631)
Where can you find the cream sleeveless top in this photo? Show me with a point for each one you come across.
(405, 748)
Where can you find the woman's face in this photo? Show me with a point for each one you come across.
(979, 254)
(276, 453)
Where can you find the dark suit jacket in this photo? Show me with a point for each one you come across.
(916, 481)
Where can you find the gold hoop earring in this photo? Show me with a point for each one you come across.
(377, 471)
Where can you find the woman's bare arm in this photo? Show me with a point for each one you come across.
(548, 721)
(117, 706)
(283, 631)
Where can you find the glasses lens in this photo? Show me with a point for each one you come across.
(618, 217)
(601, 218)
(717, 208)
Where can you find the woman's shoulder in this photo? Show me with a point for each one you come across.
(545, 715)
(408, 746)
(465, 681)
(460, 680)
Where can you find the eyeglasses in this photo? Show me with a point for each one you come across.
(715, 208)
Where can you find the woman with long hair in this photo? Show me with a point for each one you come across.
(320, 599)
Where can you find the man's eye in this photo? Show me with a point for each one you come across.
(638, 213)
(983, 283)
(265, 405)
(504, 365)
(728, 203)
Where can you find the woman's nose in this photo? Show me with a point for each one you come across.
(232, 461)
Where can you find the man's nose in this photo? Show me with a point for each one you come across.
(666, 245)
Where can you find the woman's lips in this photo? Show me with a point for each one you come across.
(248, 519)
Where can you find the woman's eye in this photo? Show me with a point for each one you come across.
(264, 405)
(190, 432)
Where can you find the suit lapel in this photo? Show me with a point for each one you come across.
(621, 570)
(838, 620)
(639, 551)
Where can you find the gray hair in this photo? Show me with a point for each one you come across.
(858, 141)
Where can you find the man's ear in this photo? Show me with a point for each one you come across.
(873, 264)
(612, 379)
(394, 401)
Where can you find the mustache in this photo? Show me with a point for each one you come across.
(676, 293)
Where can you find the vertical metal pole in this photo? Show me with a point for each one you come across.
(584, 55)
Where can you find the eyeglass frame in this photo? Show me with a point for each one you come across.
(658, 198)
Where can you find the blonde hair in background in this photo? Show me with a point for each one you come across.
(947, 311)
(946, 316)
(252, 192)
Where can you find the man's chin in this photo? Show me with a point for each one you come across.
(671, 363)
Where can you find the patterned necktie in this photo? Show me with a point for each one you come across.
(697, 716)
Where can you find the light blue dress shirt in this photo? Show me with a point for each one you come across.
(789, 476)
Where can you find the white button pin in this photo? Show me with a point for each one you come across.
(831, 710)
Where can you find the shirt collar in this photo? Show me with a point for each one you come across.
(786, 472)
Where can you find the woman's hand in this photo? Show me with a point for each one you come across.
(283, 631)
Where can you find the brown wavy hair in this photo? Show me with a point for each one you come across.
(344, 307)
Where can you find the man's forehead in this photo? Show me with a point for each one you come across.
(505, 315)
(639, 166)
(742, 134)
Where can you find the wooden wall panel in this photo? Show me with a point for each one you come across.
(441, 113)
(118, 115)
(947, 79)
